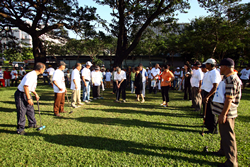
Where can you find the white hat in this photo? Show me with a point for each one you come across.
(210, 61)
(177, 68)
(88, 63)
(147, 68)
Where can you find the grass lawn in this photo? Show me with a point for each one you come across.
(104, 133)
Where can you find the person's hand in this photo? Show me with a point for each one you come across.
(85, 84)
(135, 87)
(65, 90)
(205, 99)
(30, 102)
(222, 119)
(60, 89)
(118, 86)
(199, 90)
(76, 87)
(37, 97)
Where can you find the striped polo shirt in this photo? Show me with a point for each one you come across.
(230, 87)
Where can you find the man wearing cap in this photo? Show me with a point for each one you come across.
(76, 86)
(209, 85)
(85, 80)
(120, 79)
(225, 103)
(144, 78)
(23, 98)
(59, 89)
(196, 81)
(96, 76)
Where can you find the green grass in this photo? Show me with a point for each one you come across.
(105, 133)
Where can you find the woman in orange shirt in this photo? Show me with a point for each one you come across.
(166, 78)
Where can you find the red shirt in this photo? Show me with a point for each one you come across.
(6, 74)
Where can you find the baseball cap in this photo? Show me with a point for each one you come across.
(147, 68)
(97, 68)
(88, 63)
(62, 63)
(197, 63)
(210, 61)
(227, 62)
(177, 68)
(203, 65)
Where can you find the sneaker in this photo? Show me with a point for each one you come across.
(57, 115)
(33, 126)
(86, 101)
(124, 101)
(117, 101)
(90, 100)
(80, 104)
(142, 101)
(21, 133)
(75, 106)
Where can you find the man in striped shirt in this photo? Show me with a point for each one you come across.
(225, 103)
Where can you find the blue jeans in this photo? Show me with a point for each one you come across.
(132, 87)
(86, 91)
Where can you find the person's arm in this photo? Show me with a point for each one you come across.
(75, 83)
(223, 115)
(212, 91)
(83, 79)
(60, 89)
(200, 83)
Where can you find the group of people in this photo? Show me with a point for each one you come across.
(13, 76)
(218, 89)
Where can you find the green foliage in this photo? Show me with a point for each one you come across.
(18, 54)
(104, 133)
(96, 61)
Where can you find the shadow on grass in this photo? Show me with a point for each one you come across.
(134, 123)
(101, 143)
(7, 109)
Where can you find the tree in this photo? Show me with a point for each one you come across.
(131, 18)
(40, 17)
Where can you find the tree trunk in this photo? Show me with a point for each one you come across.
(39, 51)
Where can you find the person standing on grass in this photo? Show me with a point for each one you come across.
(209, 85)
(108, 78)
(120, 79)
(138, 84)
(205, 72)
(76, 86)
(1, 78)
(166, 78)
(155, 78)
(196, 81)
(23, 98)
(59, 89)
(86, 82)
(14, 76)
(22, 72)
(7, 76)
(50, 72)
(114, 82)
(132, 79)
(225, 103)
(144, 79)
(45, 77)
(97, 82)
(186, 80)
(245, 73)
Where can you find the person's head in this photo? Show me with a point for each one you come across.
(157, 66)
(226, 66)
(40, 67)
(248, 67)
(6, 69)
(62, 65)
(21, 68)
(14, 68)
(107, 70)
(210, 64)
(114, 68)
(88, 64)
(0, 68)
(178, 69)
(118, 70)
(78, 66)
(97, 68)
(196, 65)
(203, 68)
(140, 66)
(186, 66)
(150, 68)
(67, 71)
(73, 67)
(147, 69)
(137, 69)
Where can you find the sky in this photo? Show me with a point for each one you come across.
(104, 11)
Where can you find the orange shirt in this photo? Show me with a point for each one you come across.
(166, 76)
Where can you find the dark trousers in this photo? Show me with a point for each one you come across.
(228, 145)
(211, 120)
(114, 87)
(45, 79)
(59, 101)
(187, 91)
(14, 80)
(154, 88)
(164, 93)
(96, 91)
(122, 90)
(23, 108)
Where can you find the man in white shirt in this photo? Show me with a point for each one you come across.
(196, 81)
(209, 85)
(22, 72)
(59, 89)
(154, 78)
(50, 72)
(96, 76)
(76, 86)
(144, 79)
(149, 78)
(14, 76)
(1, 78)
(177, 78)
(120, 79)
(245, 73)
(108, 78)
(23, 99)
(86, 82)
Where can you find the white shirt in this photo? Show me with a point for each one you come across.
(155, 72)
(245, 74)
(86, 73)
(196, 77)
(1, 74)
(13, 74)
(29, 80)
(120, 76)
(219, 95)
(209, 79)
(143, 73)
(45, 73)
(21, 72)
(108, 76)
(96, 78)
(58, 76)
(149, 74)
(177, 73)
(51, 71)
(75, 76)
